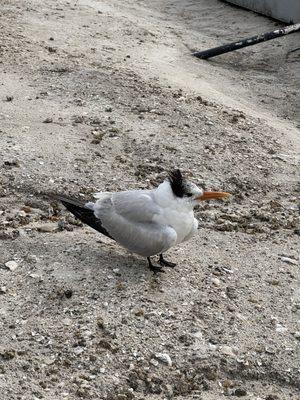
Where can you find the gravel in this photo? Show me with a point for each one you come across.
(81, 317)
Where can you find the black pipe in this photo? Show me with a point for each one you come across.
(246, 42)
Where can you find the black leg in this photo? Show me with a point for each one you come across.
(154, 268)
(162, 261)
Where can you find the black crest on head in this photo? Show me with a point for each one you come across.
(177, 183)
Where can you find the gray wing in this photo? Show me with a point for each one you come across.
(128, 217)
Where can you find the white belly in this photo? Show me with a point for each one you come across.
(181, 221)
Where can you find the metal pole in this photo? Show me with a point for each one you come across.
(246, 42)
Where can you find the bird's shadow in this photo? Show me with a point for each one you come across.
(97, 259)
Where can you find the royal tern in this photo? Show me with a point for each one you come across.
(146, 222)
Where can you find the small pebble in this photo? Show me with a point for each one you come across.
(216, 281)
(48, 120)
(164, 357)
(227, 350)
(47, 228)
(100, 322)
(32, 258)
(51, 49)
(297, 335)
(27, 209)
(11, 265)
(154, 362)
(289, 260)
(198, 335)
(7, 354)
(34, 276)
(11, 163)
(139, 313)
(61, 225)
(280, 328)
(239, 392)
(68, 293)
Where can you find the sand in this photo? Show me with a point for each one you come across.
(105, 95)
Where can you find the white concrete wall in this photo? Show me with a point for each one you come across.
(284, 10)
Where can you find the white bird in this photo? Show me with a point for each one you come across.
(146, 222)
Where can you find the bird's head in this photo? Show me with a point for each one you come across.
(190, 193)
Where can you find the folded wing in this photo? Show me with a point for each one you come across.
(128, 217)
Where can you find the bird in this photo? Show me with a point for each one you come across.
(146, 222)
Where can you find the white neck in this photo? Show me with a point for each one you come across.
(165, 197)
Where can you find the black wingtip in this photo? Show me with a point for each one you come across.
(85, 214)
(68, 200)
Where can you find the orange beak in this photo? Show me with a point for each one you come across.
(213, 196)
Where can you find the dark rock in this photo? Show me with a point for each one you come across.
(68, 293)
(51, 49)
(8, 354)
(240, 392)
(48, 120)
(11, 163)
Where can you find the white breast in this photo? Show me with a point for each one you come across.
(174, 212)
(180, 220)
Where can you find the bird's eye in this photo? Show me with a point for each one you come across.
(189, 194)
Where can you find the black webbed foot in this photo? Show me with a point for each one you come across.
(155, 268)
(166, 263)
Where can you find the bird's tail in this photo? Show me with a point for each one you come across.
(83, 212)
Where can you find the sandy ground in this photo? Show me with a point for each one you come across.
(104, 95)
